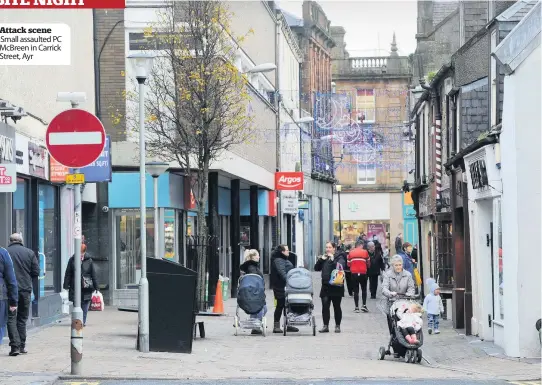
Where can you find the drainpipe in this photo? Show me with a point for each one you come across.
(277, 129)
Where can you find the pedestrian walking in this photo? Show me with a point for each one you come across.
(280, 266)
(396, 280)
(408, 262)
(8, 290)
(376, 266)
(399, 243)
(26, 267)
(348, 274)
(358, 259)
(434, 307)
(331, 294)
(252, 266)
(89, 283)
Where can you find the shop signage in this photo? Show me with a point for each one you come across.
(21, 154)
(57, 171)
(303, 204)
(8, 178)
(290, 206)
(100, 169)
(37, 160)
(289, 181)
(7, 143)
(353, 206)
(75, 178)
(478, 174)
(425, 203)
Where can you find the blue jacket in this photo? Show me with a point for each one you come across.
(8, 282)
(407, 263)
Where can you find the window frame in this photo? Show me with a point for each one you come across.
(358, 110)
(366, 166)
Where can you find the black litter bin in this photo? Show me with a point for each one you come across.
(172, 298)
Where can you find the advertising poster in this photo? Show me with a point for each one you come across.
(377, 230)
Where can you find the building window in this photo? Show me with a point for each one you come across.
(494, 81)
(366, 170)
(139, 41)
(20, 222)
(365, 105)
(444, 270)
(49, 253)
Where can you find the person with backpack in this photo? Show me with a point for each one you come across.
(358, 260)
(331, 292)
(89, 283)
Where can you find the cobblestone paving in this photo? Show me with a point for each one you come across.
(110, 352)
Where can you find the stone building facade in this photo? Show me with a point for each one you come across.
(371, 144)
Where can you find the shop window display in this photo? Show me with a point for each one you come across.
(48, 238)
(20, 196)
(169, 234)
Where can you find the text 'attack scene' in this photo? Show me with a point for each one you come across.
(283, 192)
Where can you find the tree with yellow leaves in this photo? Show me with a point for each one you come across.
(196, 100)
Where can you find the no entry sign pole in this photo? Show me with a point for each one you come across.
(73, 139)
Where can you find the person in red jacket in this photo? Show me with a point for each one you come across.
(358, 260)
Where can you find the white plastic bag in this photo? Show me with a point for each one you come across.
(65, 302)
(97, 302)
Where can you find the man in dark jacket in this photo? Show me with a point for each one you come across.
(8, 290)
(26, 269)
(376, 265)
(280, 266)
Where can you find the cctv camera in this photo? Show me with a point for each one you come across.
(105, 209)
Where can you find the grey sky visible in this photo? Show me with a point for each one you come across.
(369, 24)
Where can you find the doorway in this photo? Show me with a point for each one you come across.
(128, 253)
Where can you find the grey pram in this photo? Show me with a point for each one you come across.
(299, 304)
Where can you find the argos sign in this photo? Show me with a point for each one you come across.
(290, 181)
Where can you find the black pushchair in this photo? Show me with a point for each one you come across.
(398, 345)
(251, 299)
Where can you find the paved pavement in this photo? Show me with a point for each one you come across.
(287, 382)
(110, 339)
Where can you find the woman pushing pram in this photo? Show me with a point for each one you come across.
(251, 295)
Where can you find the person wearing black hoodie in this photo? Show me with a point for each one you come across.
(329, 293)
(376, 266)
(252, 266)
(280, 266)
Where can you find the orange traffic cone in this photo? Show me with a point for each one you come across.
(219, 303)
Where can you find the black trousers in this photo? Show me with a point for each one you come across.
(408, 331)
(349, 284)
(337, 312)
(17, 321)
(360, 280)
(373, 285)
(281, 303)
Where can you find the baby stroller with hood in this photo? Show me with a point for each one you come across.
(251, 299)
(398, 345)
(299, 300)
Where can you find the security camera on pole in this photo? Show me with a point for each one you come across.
(75, 138)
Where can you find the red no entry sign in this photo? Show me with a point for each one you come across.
(75, 138)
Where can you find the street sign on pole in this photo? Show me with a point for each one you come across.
(75, 178)
(75, 138)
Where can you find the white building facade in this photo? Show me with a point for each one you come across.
(521, 181)
(41, 208)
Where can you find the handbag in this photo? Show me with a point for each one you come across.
(86, 282)
(417, 277)
(337, 276)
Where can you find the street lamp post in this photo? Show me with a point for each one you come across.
(141, 66)
(339, 189)
(156, 169)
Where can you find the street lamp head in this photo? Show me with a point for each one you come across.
(339, 188)
(306, 119)
(156, 168)
(266, 67)
(141, 64)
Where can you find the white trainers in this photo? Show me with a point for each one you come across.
(437, 331)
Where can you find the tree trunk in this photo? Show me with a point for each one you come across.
(203, 238)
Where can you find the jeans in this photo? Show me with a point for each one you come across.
(281, 303)
(433, 321)
(360, 280)
(337, 312)
(17, 321)
(85, 305)
(261, 314)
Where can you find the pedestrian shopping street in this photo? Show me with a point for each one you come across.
(110, 341)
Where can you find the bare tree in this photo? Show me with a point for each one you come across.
(196, 100)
